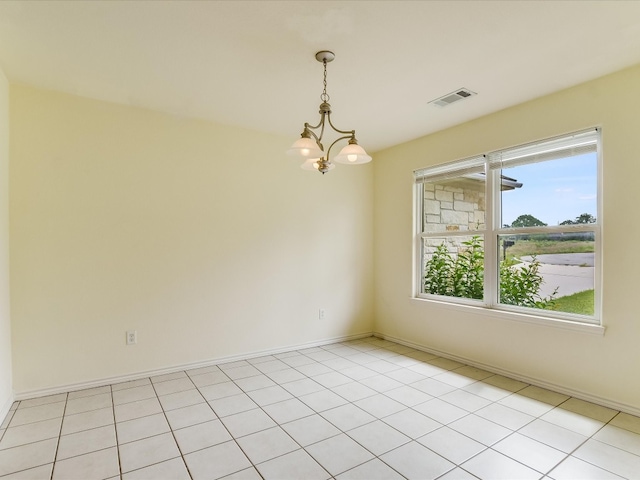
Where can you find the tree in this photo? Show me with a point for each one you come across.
(580, 220)
(527, 221)
(585, 218)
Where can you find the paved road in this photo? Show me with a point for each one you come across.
(581, 259)
(570, 272)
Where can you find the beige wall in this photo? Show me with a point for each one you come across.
(597, 367)
(204, 238)
(6, 391)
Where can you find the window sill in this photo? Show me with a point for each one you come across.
(516, 317)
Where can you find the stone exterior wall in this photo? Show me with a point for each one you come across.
(453, 207)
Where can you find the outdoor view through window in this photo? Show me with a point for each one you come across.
(514, 229)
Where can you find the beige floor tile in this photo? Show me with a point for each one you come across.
(209, 378)
(451, 445)
(529, 452)
(148, 451)
(31, 432)
(87, 392)
(626, 421)
(34, 402)
(137, 409)
(130, 384)
(494, 465)
(267, 444)
(339, 454)
(268, 395)
(619, 438)
(573, 468)
(372, 470)
(168, 376)
(322, 400)
(201, 436)
(140, 428)
(27, 456)
(174, 469)
(255, 383)
(572, 421)
(378, 437)
(92, 466)
(173, 386)
(347, 417)
(609, 458)
(181, 399)
(248, 422)
(86, 404)
(22, 416)
(310, 430)
(216, 461)
(87, 420)
(295, 465)
(133, 394)
(480, 430)
(543, 395)
(38, 473)
(505, 416)
(412, 423)
(287, 411)
(192, 415)
(553, 435)
(86, 441)
(226, 406)
(588, 409)
(417, 462)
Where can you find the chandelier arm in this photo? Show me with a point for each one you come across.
(320, 125)
(352, 133)
(309, 130)
(315, 127)
(337, 140)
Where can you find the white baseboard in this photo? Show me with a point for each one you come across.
(605, 402)
(28, 394)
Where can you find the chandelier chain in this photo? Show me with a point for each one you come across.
(325, 96)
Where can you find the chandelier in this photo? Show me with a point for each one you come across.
(309, 147)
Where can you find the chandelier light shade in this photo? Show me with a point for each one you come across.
(309, 147)
(352, 154)
(305, 148)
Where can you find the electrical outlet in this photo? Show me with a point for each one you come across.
(321, 314)
(132, 337)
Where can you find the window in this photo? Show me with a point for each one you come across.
(516, 230)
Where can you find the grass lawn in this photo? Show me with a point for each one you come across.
(540, 247)
(580, 303)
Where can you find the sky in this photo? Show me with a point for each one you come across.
(552, 191)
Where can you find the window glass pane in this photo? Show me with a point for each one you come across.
(453, 266)
(551, 271)
(555, 192)
(456, 204)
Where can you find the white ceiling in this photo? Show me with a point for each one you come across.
(252, 64)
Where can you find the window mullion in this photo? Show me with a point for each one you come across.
(418, 242)
(490, 248)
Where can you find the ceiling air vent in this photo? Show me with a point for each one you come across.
(453, 97)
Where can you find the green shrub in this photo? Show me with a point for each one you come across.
(462, 275)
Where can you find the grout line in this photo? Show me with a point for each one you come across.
(115, 429)
(55, 456)
(166, 419)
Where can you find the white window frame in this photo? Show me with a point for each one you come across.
(490, 234)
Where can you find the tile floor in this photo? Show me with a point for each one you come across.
(366, 409)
